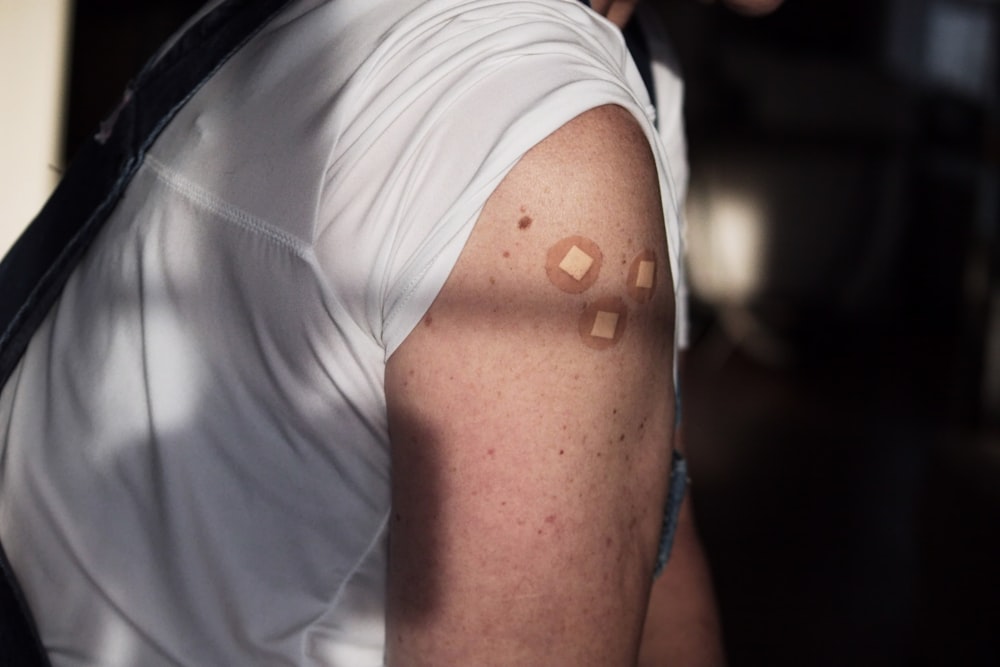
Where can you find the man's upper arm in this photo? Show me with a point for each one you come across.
(531, 417)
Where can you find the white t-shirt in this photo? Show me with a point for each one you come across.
(194, 463)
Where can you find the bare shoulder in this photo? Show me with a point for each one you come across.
(531, 417)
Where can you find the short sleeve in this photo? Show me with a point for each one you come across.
(444, 109)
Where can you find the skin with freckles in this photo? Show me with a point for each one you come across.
(530, 470)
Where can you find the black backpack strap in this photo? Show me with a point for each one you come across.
(19, 642)
(36, 269)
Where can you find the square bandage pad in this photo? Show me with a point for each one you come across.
(576, 263)
(646, 274)
(605, 325)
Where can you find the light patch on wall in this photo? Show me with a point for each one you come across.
(950, 44)
(726, 242)
(961, 47)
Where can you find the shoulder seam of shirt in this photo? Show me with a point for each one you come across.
(227, 211)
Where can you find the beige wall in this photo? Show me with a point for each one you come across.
(33, 57)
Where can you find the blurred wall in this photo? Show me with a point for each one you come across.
(33, 64)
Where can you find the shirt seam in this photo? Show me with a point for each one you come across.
(228, 212)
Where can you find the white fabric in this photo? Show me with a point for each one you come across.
(669, 90)
(194, 451)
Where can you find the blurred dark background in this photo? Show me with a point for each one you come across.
(842, 390)
(842, 385)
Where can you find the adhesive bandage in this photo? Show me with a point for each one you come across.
(641, 280)
(573, 264)
(602, 323)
